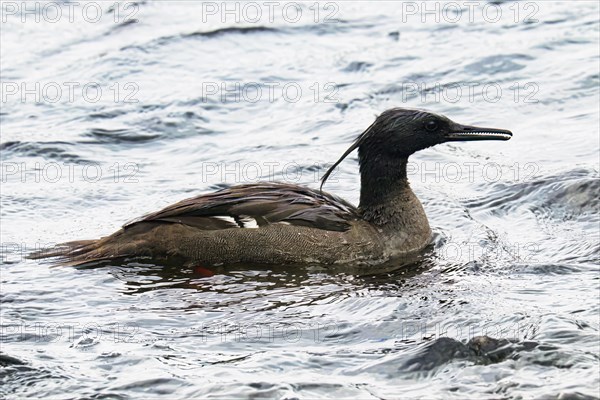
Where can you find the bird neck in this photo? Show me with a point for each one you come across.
(382, 180)
(386, 199)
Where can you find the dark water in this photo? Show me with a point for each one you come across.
(174, 99)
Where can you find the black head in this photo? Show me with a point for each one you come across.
(399, 132)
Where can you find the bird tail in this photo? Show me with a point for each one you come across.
(77, 253)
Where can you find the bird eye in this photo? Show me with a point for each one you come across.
(431, 126)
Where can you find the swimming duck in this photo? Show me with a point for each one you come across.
(285, 224)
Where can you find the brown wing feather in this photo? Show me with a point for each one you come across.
(266, 203)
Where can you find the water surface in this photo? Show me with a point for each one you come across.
(192, 101)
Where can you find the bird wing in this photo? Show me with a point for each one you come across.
(256, 205)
